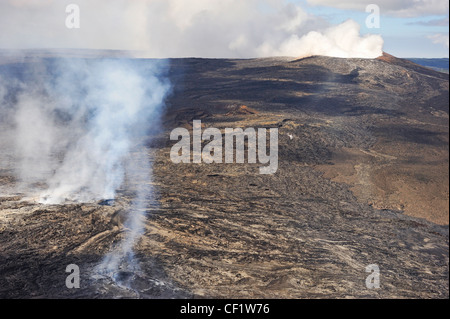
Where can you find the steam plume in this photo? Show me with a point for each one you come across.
(76, 128)
(121, 257)
(75, 125)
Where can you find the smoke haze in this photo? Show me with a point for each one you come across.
(180, 28)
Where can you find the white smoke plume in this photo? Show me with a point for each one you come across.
(76, 129)
(184, 28)
(342, 41)
(75, 122)
(121, 258)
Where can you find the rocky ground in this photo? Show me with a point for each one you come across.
(362, 179)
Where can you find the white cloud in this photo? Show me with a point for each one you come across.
(432, 23)
(174, 28)
(30, 3)
(440, 38)
(402, 8)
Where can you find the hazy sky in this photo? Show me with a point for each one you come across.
(231, 28)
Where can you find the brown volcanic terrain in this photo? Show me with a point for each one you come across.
(362, 179)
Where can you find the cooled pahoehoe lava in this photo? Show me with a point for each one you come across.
(362, 179)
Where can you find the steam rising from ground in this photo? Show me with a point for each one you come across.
(121, 258)
(181, 28)
(76, 121)
(75, 129)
